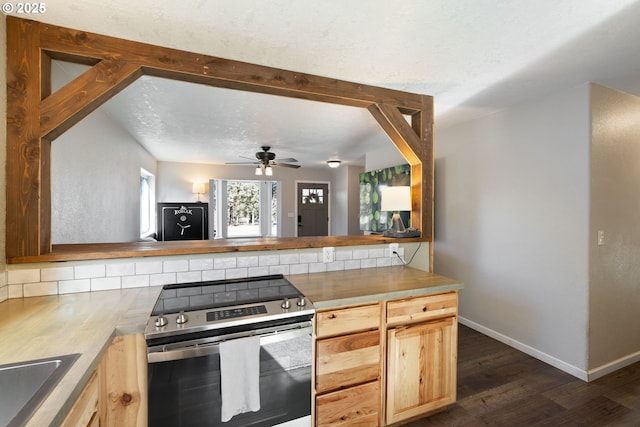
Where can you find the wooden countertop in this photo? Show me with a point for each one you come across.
(85, 323)
(340, 288)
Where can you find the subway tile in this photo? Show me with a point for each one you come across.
(15, 291)
(39, 289)
(210, 275)
(360, 253)
(299, 269)
(175, 266)
(376, 253)
(105, 283)
(344, 255)
(308, 257)
(317, 267)
(368, 263)
(189, 276)
(236, 273)
(222, 263)
(352, 264)
(162, 279)
(248, 261)
(91, 271)
(148, 267)
(279, 269)
(383, 262)
(335, 266)
(30, 275)
(57, 273)
(199, 264)
(258, 271)
(74, 286)
(140, 281)
(268, 260)
(121, 269)
(289, 258)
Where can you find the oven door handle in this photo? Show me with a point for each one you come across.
(162, 354)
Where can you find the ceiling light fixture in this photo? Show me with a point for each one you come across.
(334, 163)
(258, 170)
(268, 170)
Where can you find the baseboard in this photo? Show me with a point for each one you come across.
(557, 363)
(608, 368)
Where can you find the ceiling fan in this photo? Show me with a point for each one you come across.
(266, 159)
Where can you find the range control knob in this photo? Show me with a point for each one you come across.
(182, 318)
(286, 304)
(301, 301)
(161, 321)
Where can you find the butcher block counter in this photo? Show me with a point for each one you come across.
(340, 288)
(84, 323)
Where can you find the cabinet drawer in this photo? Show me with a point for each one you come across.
(346, 320)
(355, 406)
(347, 360)
(84, 410)
(418, 309)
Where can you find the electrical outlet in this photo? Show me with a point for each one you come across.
(393, 247)
(328, 254)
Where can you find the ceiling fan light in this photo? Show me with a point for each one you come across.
(259, 170)
(334, 163)
(268, 171)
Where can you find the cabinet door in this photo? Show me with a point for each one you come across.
(421, 368)
(85, 410)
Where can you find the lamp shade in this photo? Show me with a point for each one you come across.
(395, 198)
(198, 188)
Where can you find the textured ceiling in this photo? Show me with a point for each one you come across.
(474, 56)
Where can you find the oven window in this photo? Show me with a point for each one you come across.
(186, 392)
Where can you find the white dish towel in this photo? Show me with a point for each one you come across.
(240, 376)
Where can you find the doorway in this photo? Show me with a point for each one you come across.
(313, 209)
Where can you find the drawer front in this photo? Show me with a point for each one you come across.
(419, 309)
(347, 320)
(355, 406)
(347, 360)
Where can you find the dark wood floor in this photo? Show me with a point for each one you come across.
(501, 386)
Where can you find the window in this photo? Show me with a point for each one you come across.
(147, 204)
(251, 208)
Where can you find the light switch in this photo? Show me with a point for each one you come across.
(600, 237)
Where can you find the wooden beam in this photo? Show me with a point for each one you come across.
(84, 94)
(26, 232)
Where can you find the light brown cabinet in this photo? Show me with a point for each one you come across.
(116, 393)
(347, 367)
(421, 368)
(380, 367)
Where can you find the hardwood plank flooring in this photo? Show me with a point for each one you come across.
(501, 386)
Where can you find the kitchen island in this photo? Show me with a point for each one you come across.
(86, 323)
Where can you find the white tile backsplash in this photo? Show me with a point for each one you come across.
(88, 276)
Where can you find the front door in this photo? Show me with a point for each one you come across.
(313, 209)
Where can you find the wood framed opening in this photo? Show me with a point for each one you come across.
(36, 116)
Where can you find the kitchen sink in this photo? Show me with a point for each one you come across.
(24, 385)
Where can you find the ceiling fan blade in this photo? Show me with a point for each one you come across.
(285, 165)
(243, 163)
(288, 160)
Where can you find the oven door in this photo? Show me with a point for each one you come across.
(184, 383)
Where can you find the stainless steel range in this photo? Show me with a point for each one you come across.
(189, 327)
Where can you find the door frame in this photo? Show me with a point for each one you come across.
(295, 215)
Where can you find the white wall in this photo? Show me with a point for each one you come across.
(95, 183)
(615, 208)
(346, 198)
(512, 223)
